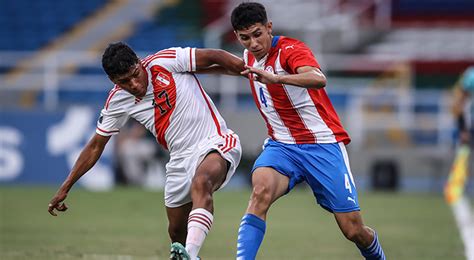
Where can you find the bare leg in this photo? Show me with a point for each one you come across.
(365, 238)
(268, 185)
(178, 222)
(210, 175)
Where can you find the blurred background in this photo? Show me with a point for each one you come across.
(391, 67)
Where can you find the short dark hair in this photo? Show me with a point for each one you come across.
(118, 58)
(248, 14)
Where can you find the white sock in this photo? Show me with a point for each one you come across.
(199, 224)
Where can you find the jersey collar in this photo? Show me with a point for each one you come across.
(275, 41)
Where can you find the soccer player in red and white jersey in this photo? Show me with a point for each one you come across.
(306, 138)
(163, 94)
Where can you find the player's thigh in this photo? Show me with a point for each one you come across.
(269, 181)
(277, 168)
(213, 169)
(329, 176)
(218, 158)
(181, 170)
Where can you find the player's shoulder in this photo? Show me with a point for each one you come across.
(288, 43)
(160, 56)
(116, 98)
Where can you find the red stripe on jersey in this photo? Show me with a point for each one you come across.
(149, 57)
(250, 61)
(328, 114)
(111, 94)
(165, 56)
(159, 56)
(289, 115)
(167, 51)
(165, 103)
(213, 114)
(108, 132)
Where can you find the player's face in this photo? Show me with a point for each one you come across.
(256, 38)
(135, 81)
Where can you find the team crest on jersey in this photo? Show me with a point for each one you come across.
(162, 79)
(269, 69)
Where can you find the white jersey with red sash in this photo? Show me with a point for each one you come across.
(175, 107)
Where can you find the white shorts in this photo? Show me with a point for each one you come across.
(180, 169)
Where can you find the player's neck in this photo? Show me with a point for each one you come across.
(258, 59)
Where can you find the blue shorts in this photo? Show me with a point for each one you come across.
(325, 167)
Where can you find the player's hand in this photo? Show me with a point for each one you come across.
(262, 76)
(57, 203)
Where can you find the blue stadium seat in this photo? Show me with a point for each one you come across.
(48, 18)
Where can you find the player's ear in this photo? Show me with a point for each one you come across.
(112, 79)
(269, 27)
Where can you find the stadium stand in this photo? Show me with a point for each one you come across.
(173, 25)
(380, 80)
(24, 27)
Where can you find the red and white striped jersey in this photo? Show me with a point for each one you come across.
(175, 108)
(294, 114)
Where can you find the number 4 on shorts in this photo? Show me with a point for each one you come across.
(347, 183)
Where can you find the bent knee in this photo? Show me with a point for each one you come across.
(354, 233)
(261, 195)
(202, 183)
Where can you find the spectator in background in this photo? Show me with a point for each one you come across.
(463, 108)
(139, 160)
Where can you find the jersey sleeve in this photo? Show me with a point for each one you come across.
(297, 55)
(176, 59)
(111, 119)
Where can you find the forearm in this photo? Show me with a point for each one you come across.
(87, 159)
(206, 59)
(216, 69)
(310, 79)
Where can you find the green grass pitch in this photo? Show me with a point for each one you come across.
(131, 224)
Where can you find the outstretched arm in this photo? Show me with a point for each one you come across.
(218, 62)
(306, 77)
(89, 156)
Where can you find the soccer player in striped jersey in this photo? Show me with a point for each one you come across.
(306, 138)
(162, 93)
